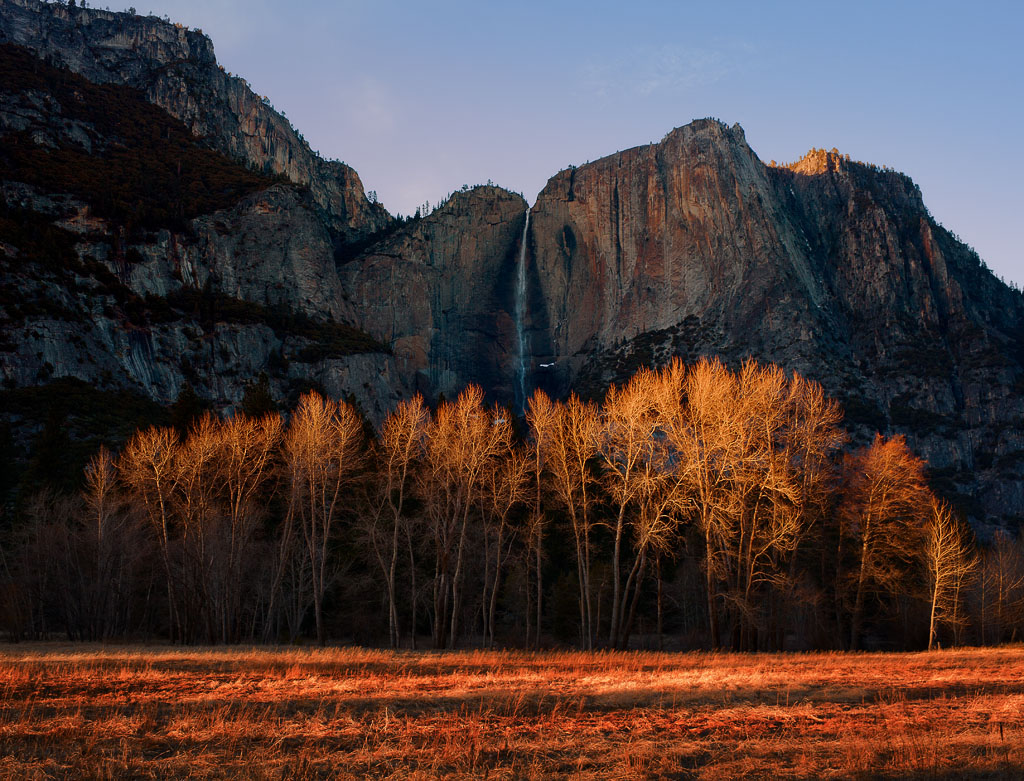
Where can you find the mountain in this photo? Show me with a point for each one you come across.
(164, 231)
(693, 246)
(830, 267)
(174, 68)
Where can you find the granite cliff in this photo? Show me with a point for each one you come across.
(829, 267)
(439, 292)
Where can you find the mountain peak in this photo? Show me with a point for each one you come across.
(817, 161)
(708, 126)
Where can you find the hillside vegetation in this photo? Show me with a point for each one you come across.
(129, 160)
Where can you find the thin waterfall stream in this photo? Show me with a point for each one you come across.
(520, 311)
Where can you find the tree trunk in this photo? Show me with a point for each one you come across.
(493, 607)
(858, 605)
(613, 634)
(636, 578)
(321, 638)
(710, 585)
(456, 581)
(392, 597)
(586, 590)
(412, 589)
(529, 600)
(661, 636)
(540, 582)
(931, 619)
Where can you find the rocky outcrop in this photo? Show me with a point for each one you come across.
(176, 69)
(244, 291)
(829, 267)
(270, 248)
(440, 293)
(217, 360)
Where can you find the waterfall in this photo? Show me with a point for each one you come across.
(520, 310)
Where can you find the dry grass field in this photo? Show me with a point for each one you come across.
(77, 712)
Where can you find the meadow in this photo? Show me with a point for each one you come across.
(130, 711)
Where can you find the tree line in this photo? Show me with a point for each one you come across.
(695, 506)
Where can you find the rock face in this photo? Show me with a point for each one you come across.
(270, 248)
(242, 291)
(833, 268)
(661, 235)
(139, 257)
(440, 292)
(176, 69)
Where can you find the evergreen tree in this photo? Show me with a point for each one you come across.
(258, 400)
(188, 407)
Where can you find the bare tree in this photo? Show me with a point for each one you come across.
(637, 476)
(542, 420)
(324, 451)
(289, 584)
(102, 507)
(814, 436)
(397, 452)
(147, 467)
(765, 524)
(109, 550)
(950, 561)
(460, 441)
(697, 415)
(247, 461)
(504, 487)
(1002, 590)
(196, 501)
(884, 504)
(567, 436)
(754, 450)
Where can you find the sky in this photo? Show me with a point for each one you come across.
(423, 97)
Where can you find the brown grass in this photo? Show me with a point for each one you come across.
(74, 711)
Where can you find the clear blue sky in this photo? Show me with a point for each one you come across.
(422, 97)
